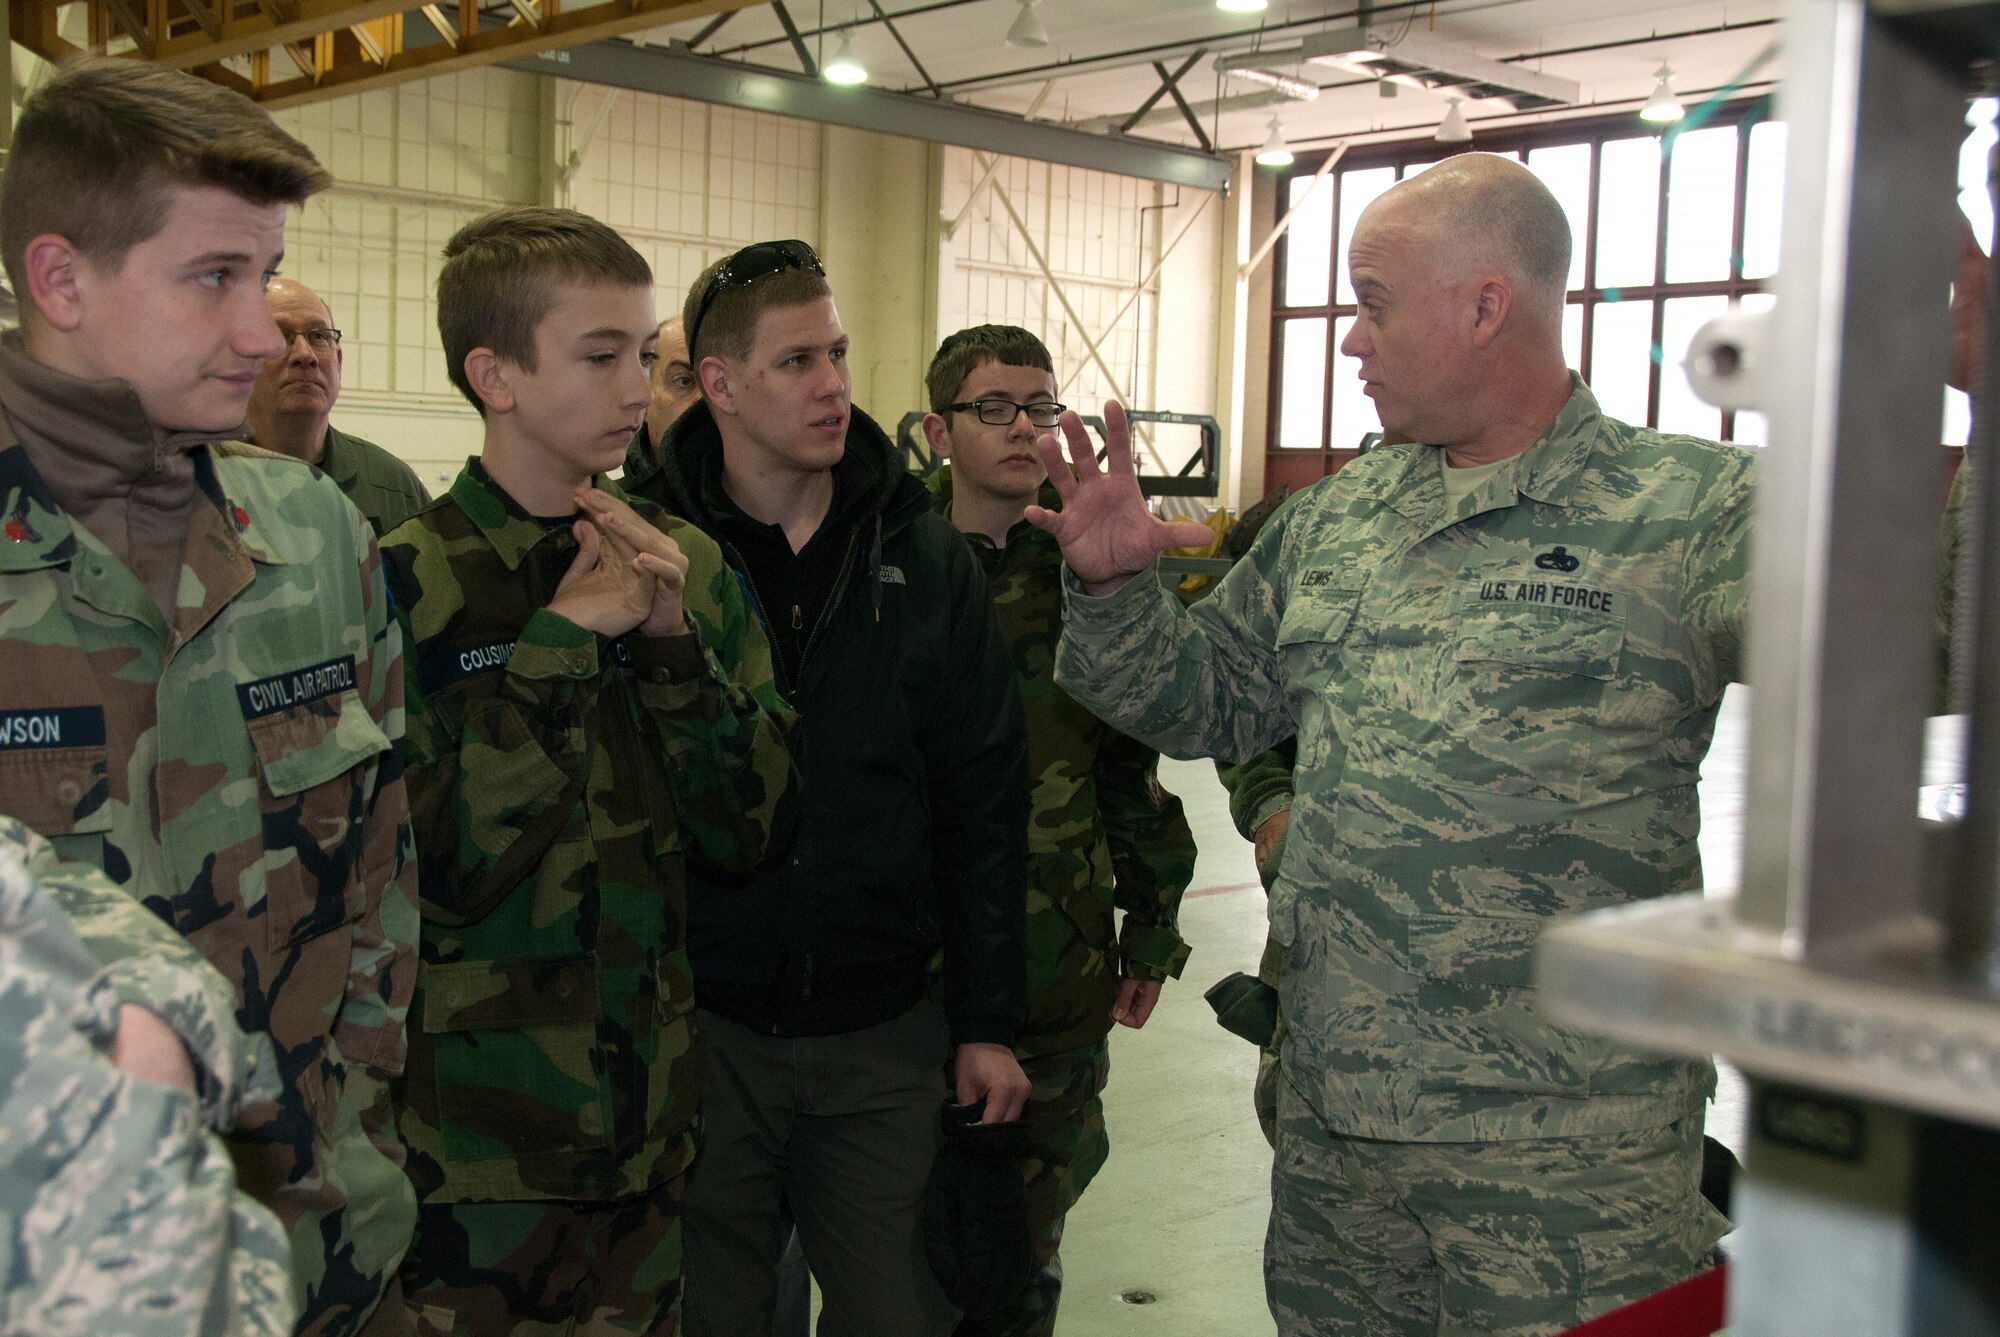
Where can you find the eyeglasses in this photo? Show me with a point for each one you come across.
(758, 260)
(322, 338)
(1002, 412)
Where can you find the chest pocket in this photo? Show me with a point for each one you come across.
(54, 774)
(1524, 696)
(316, 766)
(1317, 636)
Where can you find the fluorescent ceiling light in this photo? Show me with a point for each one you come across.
(1242, 6)
(1302, 89)
(1276, 152)
(844, 68)
(1027, 29)
(1453, 129)
(1663, 108)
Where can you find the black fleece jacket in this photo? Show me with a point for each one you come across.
(912, 753)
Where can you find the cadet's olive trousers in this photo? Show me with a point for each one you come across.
(1388, 1239)
(846, 1128)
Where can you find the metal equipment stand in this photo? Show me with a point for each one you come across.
(1854, 976)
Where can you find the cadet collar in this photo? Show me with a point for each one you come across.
(511, 530)
(99, 426)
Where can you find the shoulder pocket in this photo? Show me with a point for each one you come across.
(1318, 617)
(315, 764)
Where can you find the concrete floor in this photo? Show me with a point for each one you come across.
(1168, 1241)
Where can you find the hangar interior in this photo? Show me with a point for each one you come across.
(1094, 170)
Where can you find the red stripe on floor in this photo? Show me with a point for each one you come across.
(1217, 891)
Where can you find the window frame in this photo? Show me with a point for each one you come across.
(1283, 464)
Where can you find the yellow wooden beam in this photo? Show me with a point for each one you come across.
(447, 33)
(134, 28)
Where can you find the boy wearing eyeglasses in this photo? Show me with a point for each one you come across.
(823, 1046)
(587, 722)
(1102, 834)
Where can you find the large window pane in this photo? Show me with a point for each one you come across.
(1628, 211)
(1573, 336)
(1357, 191)
(1763, 200)
(1621, 358)
(1302, 383)
(1753, 428)
(1972, 153)
(1309, 242)
(1353, 412)
(1701, 197)
(1566, 172)
(1681, 409)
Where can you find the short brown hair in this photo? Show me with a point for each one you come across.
(500, 275)
(961, 354)
(99, 145)
(729, 326)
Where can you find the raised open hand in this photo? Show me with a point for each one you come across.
(650, 552)
(1106, 533)
(602, 591)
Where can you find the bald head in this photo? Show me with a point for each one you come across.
(1458, 278)
(1490, 213)
(295, 391)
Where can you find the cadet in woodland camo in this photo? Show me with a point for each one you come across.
(122, 1210)
(241, 778)
(204, 688)
(1103, 836)
(1501, 704)
(560, 781)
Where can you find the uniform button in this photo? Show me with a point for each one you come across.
(69, 791)
(564, 988)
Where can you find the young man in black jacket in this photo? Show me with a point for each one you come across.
(824, 1048)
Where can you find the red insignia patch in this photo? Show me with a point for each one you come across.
(18, 531)
(240, 516)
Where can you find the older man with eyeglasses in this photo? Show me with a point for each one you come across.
(294, 397)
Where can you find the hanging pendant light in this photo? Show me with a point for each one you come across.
(1027, 30)
(1663, 108)
(1453, 129)
(845, 67)
(1276, 152)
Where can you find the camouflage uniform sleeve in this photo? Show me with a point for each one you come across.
(382, 961)
(1260, 788)
(1716, 578)
(491, 792)
(712, 696)
(1152, 858)
(143, 961)
(1200, 682)
(119, 1211)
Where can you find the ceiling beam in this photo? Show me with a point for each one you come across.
(678, 73)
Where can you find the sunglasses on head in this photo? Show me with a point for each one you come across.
(757, 261)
